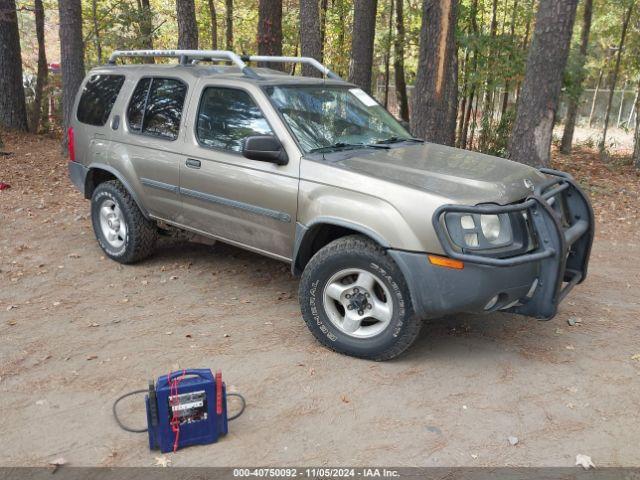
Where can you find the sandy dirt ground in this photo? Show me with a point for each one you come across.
(77, 330)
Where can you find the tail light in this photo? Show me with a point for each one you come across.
(71, 145)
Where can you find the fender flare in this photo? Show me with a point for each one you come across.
(302, 235)
(121, 179)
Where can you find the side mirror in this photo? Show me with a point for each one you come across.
(264, 148)
(406, 125)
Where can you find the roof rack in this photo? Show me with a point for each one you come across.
(302, 60)
(186, 56)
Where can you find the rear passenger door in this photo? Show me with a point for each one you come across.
(246, 202)
(91, 133)
(148, 145)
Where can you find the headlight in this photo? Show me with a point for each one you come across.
(480, 232)
(491, 227)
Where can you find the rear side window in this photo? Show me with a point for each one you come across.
(156, 107)
(97, 99)
(226, 117)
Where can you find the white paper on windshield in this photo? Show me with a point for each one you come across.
(363, 97)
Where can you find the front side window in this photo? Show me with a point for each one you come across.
(226, 117)
(323, 117)
(97, 99)
(156, 107)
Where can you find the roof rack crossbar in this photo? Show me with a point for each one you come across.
(186, 55)
(302, 60)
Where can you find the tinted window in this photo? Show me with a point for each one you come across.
(135, 113)
(98, 96)
(226, 117)
(156, 107)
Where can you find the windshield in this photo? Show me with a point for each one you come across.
(324, 117)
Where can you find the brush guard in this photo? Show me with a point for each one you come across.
(562, 221)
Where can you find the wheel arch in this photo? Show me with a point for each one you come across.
(312, 237)
(99, 173)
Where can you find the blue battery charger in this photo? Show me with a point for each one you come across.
(186, 407)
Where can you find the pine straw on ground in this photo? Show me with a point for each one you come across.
(37, 168)
(613, 186)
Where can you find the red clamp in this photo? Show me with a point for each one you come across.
(219, 392)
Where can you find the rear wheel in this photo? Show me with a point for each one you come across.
(355, 300)
(121, 229)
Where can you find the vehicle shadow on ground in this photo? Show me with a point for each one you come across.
(463, 335)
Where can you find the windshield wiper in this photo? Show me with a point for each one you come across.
(340, 145)
(389, 140)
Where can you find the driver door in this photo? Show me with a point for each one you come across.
(245, 202)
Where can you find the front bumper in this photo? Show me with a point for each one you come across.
(531, 284)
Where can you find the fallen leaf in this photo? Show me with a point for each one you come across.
(513, 440)
(57, 463)
(94, 324)
(162, 461)
(73, 255)
(474, 456)
(344, 399)
(92, 357)
(636, 357)
(584, 461)
(11, 307)
(570, 347)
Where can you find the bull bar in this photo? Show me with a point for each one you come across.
(563, 230)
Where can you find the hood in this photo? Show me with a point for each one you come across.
(459, 175)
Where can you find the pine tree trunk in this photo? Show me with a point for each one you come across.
(310, 35)
(398, 63)
(13, 110)
(214, 25)
(435, 100)
(572, 109)
(41, 79)
(146, 28)
(487, 104)
(364, 27)
(530, 141)
(467, 118)
(270, 30)
(512, 31)
(96, 30)
(614, 77)
(324, 5)
(72, 57)
(187, 26)
(595, 97)
(229, 23)
(387, 57)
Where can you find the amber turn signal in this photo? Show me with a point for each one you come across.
(446, 262)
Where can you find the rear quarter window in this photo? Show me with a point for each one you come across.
(97, 99)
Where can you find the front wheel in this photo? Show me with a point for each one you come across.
(355, 300)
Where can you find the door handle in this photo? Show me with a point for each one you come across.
(192, 163)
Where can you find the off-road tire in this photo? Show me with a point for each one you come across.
(357, 251)
(141, 233)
